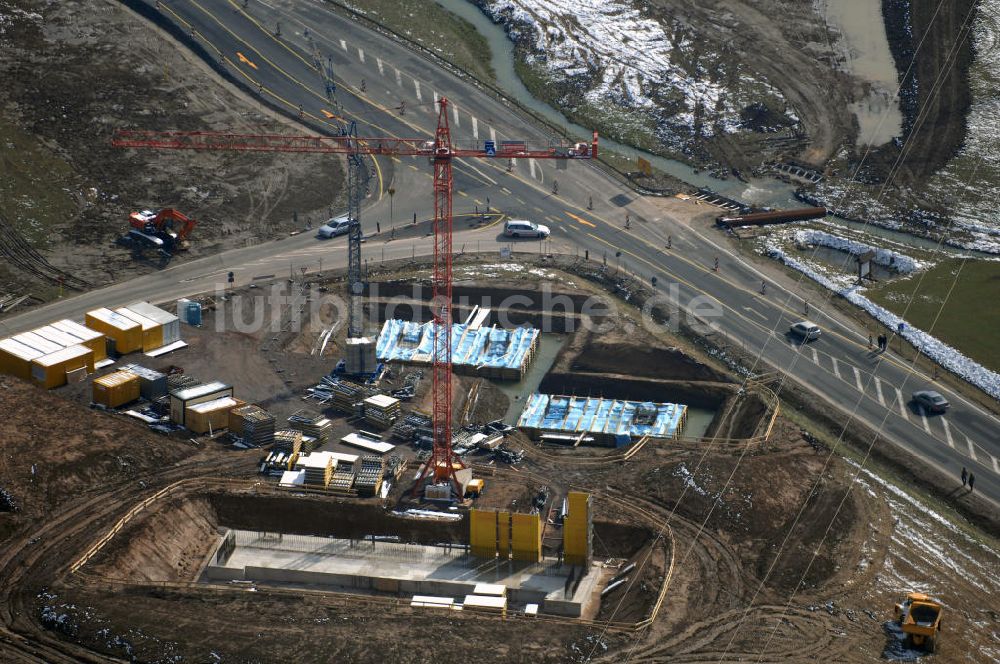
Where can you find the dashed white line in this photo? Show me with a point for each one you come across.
(436, 97)
(531, 165)
(361, 55)
(923, 418)
(857, 379)
(972, 448)
(947, 432)
(836, 367)
(343, 44)
(815, 355)
(378, 61)
(899, 400)
(493, 135)
(996, 467)
(878, 390)
(416, 88)
(475, 128)
(454, 115)
(399, 78)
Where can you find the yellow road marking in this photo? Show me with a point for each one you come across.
(245, 59)
(579, 219)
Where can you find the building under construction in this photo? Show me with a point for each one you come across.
(599, 421)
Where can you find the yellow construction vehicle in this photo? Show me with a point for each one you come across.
(919, 617)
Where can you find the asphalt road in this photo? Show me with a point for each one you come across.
(398, 95)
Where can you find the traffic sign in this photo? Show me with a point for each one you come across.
(232, 277)
(491, 148)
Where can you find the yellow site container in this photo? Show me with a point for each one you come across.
(15, 358)
(116, 389)
(526, 537)
(483, 533)
(152, 332)
(126, 333)
(577, 530)
(210, 416)
(50, 370)
(92, 339)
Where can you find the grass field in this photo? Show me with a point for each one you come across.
(968, 318)
(35, 187)
(435, 28)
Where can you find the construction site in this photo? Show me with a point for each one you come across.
(446, 441)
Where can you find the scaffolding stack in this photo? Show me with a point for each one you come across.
(381, 411)
(413, 427)
(368, 478)
(287, 441)
(343, 477)
(315, 427)
(346, 396)
(253, 424)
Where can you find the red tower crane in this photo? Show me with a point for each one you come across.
(443, 463)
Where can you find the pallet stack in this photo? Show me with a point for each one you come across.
(381, 411)
(318, 469)
(253, 424)
(316, 427)
(346, 396)
(368, 478)
(287, 441)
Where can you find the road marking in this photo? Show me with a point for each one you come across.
(416, 86)
(538, 209)
(923, 418)
(836, 367)
(578, 219)
(477, 201)
(762, 316)
(343, 44)
(475, 128)
(462, 193)
(361, 55)
(395, 158)
(996, 467)
(436, 98)
(815, 355)
(972, 448)
(454, 114)
(520, 200)
(381, 71)
(508, 192)
(947, 432)
(531, 165)
(493, 135)
(899, 400)
(399, 78)
(245, 59)
(857, 379)
(552, 219)
(413, 167)
(878, 389)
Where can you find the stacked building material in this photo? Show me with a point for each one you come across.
(368, 478)
(318, 469)
(413, 427)
(394, 466)
(360, 356)
(312, 425)
(381, 411)
(253, 424)
(287, 441)
(346, 396)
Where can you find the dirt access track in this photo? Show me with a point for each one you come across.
(74, 72)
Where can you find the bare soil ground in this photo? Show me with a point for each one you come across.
(73, 73)
(782, 550)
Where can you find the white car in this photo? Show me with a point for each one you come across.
(805, 329)
(525, 228)
(334, 227)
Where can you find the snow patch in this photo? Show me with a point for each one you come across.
(892, 259)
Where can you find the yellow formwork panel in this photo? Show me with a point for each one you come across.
(577, 529)
(526, 537)
(483, 533)
(503, 535)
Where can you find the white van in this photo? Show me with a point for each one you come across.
(334, 227)
(525, 228)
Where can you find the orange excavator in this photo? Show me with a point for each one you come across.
(166, 230)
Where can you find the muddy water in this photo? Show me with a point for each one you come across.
(868, 57)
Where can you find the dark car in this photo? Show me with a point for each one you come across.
(931, 401)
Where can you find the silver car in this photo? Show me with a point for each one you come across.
(525, 228)
(805, 329)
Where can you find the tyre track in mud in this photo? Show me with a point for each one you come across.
(41, 556)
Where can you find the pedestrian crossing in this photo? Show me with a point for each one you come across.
(891, 398)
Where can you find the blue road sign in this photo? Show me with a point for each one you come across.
(491, 149)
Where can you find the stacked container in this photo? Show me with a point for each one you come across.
(50, 370)
(126, 333)
(116, 389)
